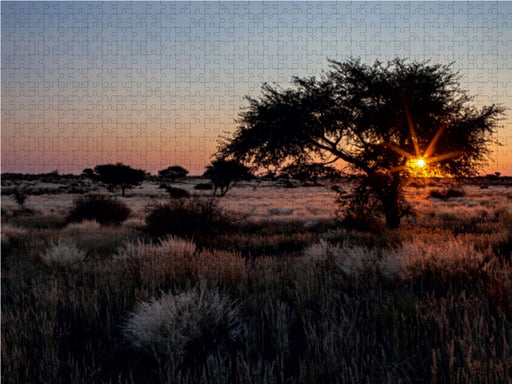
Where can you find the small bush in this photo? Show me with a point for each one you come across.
(177, 193)
(105, 210)
(63, 254)
(20, 196)
(198, 216)
(203, 186)
(445, 194)
(189, 324)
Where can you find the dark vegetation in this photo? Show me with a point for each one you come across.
(177, 193)
(105, 210)
(173, 173)
(195, 217)
(445, 194)
(116, 176)
(224, 173)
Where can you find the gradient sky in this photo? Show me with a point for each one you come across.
(154, 84)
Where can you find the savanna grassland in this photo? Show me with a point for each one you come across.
(265, 285)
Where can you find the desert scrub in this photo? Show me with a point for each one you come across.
(183, 326)
(157, 264)
(105, 210)
(190, 217)
(63, 254)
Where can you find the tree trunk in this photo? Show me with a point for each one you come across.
(392, 215)
(387, 189)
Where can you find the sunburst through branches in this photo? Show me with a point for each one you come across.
(421, 163)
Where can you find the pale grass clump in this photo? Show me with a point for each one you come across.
(448, 256)
(85, 226)
(64, 254)
(170, 247)
(175, 324)
(176, 246)
(155, 263)
(10, 232)
(352, 260)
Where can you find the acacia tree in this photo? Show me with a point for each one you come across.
(116, 175)
(312, 172)
(379, 120)
(173, 172)
(223, 173)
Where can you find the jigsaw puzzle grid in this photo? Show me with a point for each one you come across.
(154, 84)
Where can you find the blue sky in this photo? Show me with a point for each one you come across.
(154, 84)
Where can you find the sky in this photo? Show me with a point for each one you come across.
(154, 84)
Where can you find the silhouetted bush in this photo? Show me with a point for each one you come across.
(177, 193)
(203, 186)
(105, 210)
(445, 194)
(20, 196)
(189, 217)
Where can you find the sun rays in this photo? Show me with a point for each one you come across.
(421, 163)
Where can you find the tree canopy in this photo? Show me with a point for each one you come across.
(116, 175)
(223, 173)
(382, 121)
(174, 172)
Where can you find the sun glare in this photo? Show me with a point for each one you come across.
(421, 163)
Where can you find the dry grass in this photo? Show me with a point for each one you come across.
(282, 299)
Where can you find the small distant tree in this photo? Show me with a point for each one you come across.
(224, 173)
(173, 173)
(116, 175)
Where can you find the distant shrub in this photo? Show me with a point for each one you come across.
(105, 210)
(445, 194)
(188, 217)
(177, 193)
(63, 254)
(191, 324)
(20, 196)
(203, 186)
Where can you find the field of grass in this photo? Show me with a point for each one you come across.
(283, 294)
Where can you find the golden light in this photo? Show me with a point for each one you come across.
(420, 162)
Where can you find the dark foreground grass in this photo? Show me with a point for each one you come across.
(298, 319)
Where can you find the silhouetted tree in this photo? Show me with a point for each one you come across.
(116, 175)
(173, 173)
(223, 173)
(379, 119)
(312, 172)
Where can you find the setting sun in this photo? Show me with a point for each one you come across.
(420, 163)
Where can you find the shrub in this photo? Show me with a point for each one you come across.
(63, 254)
(445, 194)
(198, 216)
(203, 186)
(20, 196)
(105, 210)
(190, 324)
(177, 193)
